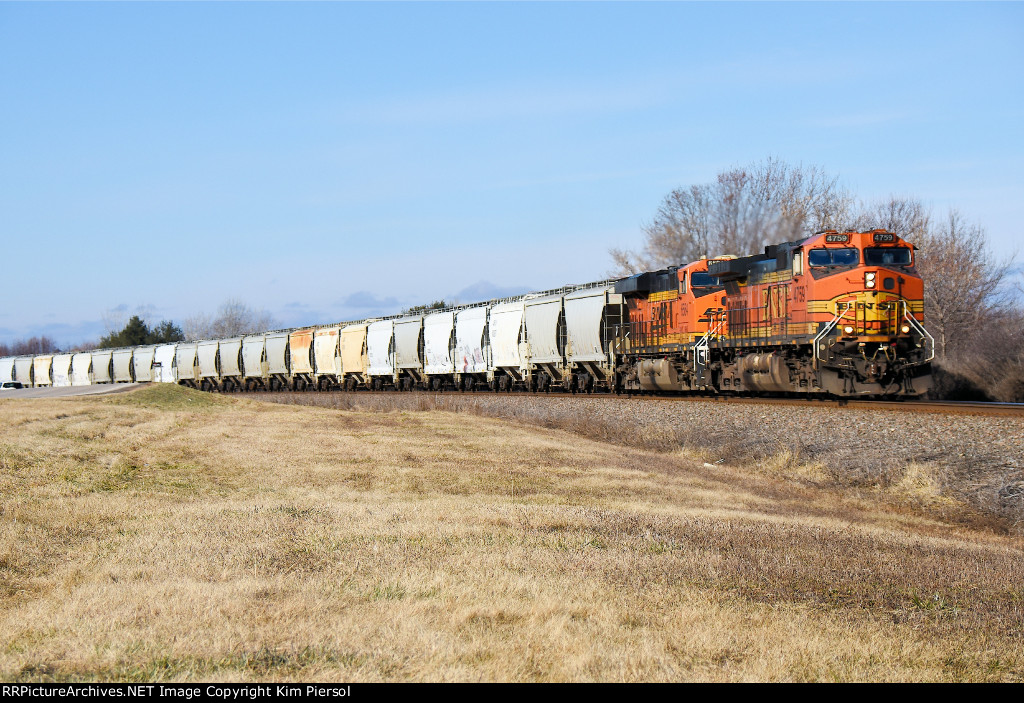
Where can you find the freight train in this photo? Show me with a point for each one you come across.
(835, 314)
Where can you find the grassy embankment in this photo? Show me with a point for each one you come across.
(168, 534)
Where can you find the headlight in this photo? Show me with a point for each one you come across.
(905, 329)
(869, 279)
(848, 329)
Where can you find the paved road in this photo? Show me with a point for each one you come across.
(66, 391)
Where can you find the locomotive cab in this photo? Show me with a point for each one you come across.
(866, 300)
(867, 279)
(672, 315)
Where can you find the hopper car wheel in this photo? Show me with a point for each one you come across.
(435, 383)
(586, 383)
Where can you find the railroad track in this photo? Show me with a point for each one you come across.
(922, 406)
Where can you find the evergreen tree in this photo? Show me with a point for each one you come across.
(165, 332)
(137, 332)
(436, 305)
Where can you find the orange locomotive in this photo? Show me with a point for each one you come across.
(836, 313)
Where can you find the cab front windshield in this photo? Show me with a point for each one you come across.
(887, 256)
(833, 257)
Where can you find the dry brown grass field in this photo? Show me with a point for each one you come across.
(170, 535)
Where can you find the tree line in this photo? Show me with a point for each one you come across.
(32, 345)
(232, 319)
(971, 305)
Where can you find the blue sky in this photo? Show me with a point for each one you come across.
(331, 161)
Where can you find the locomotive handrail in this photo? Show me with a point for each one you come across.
(828, 329)
(702, 348)
(921, 330)
(703, 345)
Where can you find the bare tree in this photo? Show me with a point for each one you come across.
(964, 284)
(115, 319)
(681, 231)
(233, 318)
(32, 345)
(196, 327)
(740, 212)
(906, 216)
